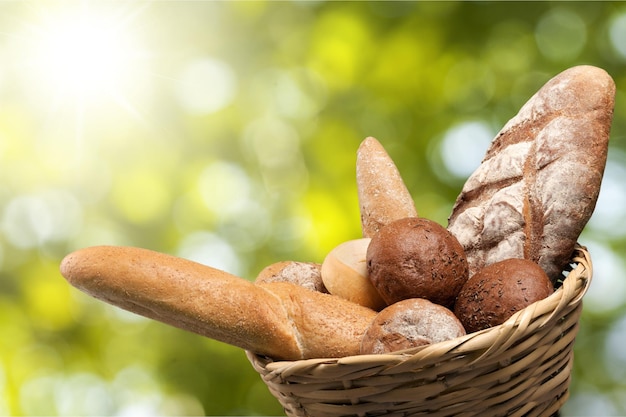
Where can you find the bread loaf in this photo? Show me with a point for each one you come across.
(538, 184)
(383, 197)
(280, 320)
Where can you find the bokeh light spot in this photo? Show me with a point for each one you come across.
(463, 147)
(225, 188)
(249, 229)
(469, 85)
(132, 392)
(296, 94)
(617, 34)
(206, 86)
(48, 300)
(209, 249)
(141, 195)
(341, 44)
(31, 220)
(37, 396)
(299, 94)
(609, 217)
(614, 349)
(561, 34)
(274, 142)
(4, 393)
(590, 403)
(275, 145)
(608, 290)
(511, 47)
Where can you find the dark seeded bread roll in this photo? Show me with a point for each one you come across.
(500, 290)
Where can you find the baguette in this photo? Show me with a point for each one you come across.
(383, 196)
(279, 320)
(538, 184)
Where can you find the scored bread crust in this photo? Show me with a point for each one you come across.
(538, 183)
(280, 320)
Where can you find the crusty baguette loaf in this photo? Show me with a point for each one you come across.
(383, 196)
(280, 320)
(539, 181)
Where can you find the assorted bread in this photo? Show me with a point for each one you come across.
(408, 281)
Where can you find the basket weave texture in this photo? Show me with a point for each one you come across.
(519, 368)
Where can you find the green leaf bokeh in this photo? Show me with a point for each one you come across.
(228, 135)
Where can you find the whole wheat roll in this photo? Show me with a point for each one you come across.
(279, 320)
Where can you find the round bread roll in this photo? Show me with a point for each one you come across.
(416, 258)
(410, 323)
(305, 274)
(499, 290)
(344, 273)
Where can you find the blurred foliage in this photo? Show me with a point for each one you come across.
(228, 135)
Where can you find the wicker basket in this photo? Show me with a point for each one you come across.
(519, 368)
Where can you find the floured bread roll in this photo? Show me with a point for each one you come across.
(539, 181)
(410, 323)
(383, 196)
(304, 274)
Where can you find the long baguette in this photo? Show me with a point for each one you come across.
(280, 320)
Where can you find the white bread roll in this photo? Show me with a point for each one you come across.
(344, 273)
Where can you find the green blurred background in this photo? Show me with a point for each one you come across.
(226, 133)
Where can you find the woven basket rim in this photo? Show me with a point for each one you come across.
(488, 341)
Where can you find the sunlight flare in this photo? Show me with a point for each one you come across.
(84, 55)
